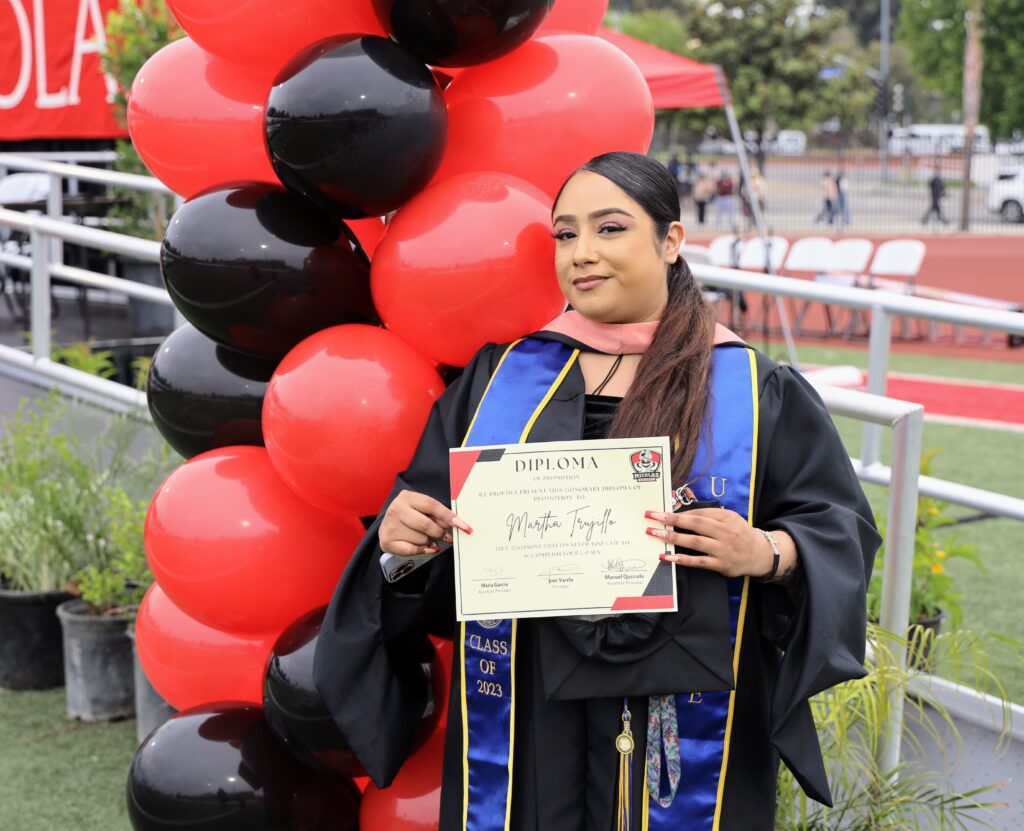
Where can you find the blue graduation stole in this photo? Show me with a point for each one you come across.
(522, 384)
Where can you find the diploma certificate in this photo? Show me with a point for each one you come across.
(559, 529)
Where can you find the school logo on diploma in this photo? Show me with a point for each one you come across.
(646, 465)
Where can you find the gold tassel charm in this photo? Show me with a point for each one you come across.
(624, 745)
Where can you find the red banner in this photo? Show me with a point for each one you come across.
(51, 83)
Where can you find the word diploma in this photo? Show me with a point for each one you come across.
(559, 529)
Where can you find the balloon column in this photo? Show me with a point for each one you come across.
(353, 229)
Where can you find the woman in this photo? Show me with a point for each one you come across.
(771, 610)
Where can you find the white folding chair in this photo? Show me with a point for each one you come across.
(899, 258)
(724, 251)
(849, 256)
(846, 265)
(696, 254)
(807, 254)
(755, 257)
(701, 255)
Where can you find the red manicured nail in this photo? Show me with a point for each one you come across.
(665, 557)
(656, 532)
(461, 524)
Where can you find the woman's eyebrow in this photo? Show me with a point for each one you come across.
(594, 215)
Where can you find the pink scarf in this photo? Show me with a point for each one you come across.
(617, 338)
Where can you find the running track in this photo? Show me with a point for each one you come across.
(977, 403)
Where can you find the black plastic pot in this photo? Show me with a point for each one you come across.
(97, 664)
(151, 710)
(31, 649)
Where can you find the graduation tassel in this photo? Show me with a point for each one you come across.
(624, 745)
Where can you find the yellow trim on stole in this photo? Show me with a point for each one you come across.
(544, 401)
(645, 814)
(743, 598)
(512, 645)
(487, 389)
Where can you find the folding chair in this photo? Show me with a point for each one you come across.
(725, 251)
(807, 254)
(755, 257)
(846, 265)
(898, 258)
(701, 255)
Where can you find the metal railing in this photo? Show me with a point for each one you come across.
(904, 418)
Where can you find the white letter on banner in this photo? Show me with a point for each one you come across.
(44, 100)
(88, 12)
(13, 98)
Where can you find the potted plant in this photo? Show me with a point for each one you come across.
(47, 497)
(98, 670)
(933, 594)
(853, 721)
(135, 31)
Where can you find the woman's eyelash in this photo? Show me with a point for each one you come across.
(565, 234)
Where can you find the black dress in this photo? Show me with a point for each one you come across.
(797, 641)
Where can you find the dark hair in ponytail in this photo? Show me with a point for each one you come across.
(669, 394)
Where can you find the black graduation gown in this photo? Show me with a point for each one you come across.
(797, 641)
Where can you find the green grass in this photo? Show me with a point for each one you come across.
(988, 459)
(57, 774)
(945, 367)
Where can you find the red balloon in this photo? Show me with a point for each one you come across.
(543, 110)
(413, 801)
(442, 678)
(468, 261)
(369, 232)
(267, 33)
(197, 121)
(343, 413)
(236, 549)
(190, 663)
(574, 16)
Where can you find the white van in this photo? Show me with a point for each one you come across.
(937, 139)
(790, 143)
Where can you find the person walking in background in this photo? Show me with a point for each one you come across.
(755, 191)
(936, 190)
(843, 208)
(703, 192)
(674, 167)
(829, 194)
(724, 204)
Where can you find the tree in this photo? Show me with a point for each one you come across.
(136, 30)
(865, 16)
(935, 31)
(773, 52)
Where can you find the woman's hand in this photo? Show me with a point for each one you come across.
(726, 542)
(415, 523)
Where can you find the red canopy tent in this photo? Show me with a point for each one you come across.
(675, 82)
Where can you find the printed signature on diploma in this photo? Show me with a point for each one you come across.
(563, 570)
(580, 523)
(621, 564)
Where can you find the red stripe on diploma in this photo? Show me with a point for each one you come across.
(461, 463)
(635, 604)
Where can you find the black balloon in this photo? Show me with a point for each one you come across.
(203, 395)
(259, 269)
(297, 714)
(356, 123)
(457, 33)
(219, 768)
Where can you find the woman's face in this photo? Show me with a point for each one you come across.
(611, 266)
